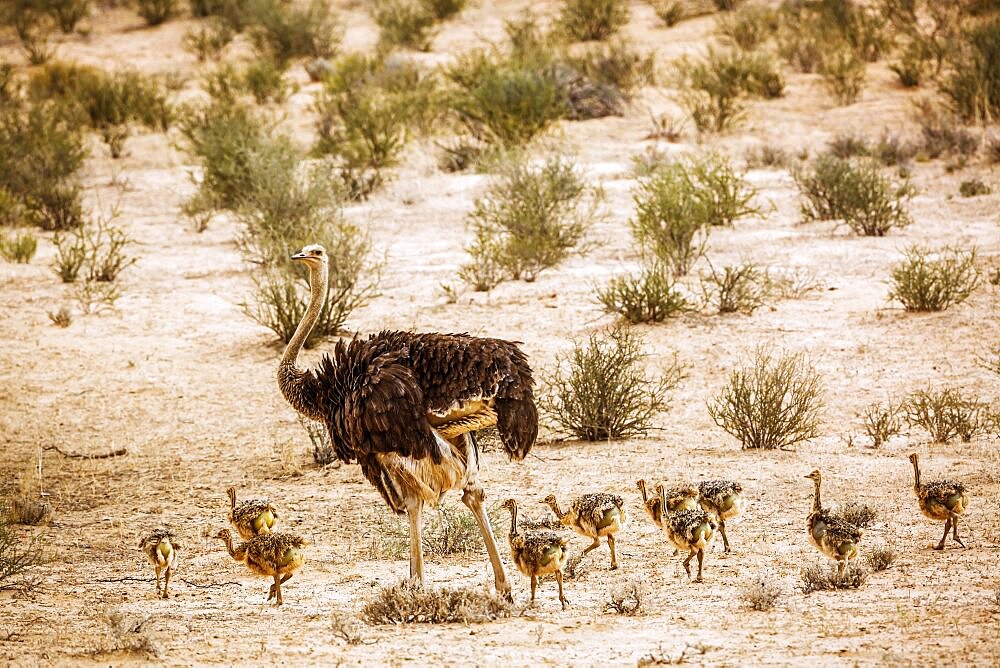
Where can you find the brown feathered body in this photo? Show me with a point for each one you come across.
(160, 547)
(397, 403)
(593, 515)
(689, 530)
(537, 553)
(251, 517)
(269, 554)
(941, 499)
(721, 497)
(833, 536)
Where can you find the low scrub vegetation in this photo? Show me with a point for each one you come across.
(741, 288)
(405, 23)
(284, 32)
(942, 134)
(860, 515)
(531, 218)
(880, 558)
(406, 603)
(946, 414)
(760, 593)
(855, 192)
(772, 402)
(843, 72)
(812, 33)
(585, 20)
(19, 557)
(626, 599)
(973, 188)
(18, 246)
(155, 12)
(600, 391)
(934, 280)
(207, 41)
(882, 422)
(652, 295)
(823, 578)
(972, 84)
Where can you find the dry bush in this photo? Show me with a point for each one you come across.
(444, 9)
(405, 603)
(671, 12)
(600, 391)
(405, 23)
(18, 246)
(585, 20)
(880, 558)
(124, 632)
(882, 422)
(973, 188)
(345, 627)
(843, 73)
(854, 191)
(40, 154)
(741, 288)
(934, 280)
(942, 133)
(811, 31)
(820, 578)
(714, 90)
(651, 295)
(19, 558)
(284, 32)
(946, 414)
(323, 453)
(62, 317)
(450, 531)
(207, 41)
(95, 251)
(767, 155)
(27, 510)
(155, 12)
(760, 593)
(748, 27)
(859, 514)
(993, 150)
(67, 13)
(972, 83)
(794, 283)
(774, 402)
(531, 218)
(626, 599)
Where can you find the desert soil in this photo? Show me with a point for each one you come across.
(184, 381)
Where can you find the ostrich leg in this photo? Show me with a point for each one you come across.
(416, 544)
(473, 498)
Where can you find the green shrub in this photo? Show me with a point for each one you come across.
(671, 218)
(973, 82)
(444, 9)
(811, 30)
(911, 66)
(40, 153)
(774, 402)
(741, 288)
(405, 23)
(650, 296)
(284, 33)
(854, 191)
(18, 247)
(614, 64)
(94, 251)
(946, 414)
(532, 218)
(714, 90)
(882, 422)
(600, 391)
(843, 73)
(585, 20)
(929, 280)
(748, 27)
(942, 134)
(265, 81)
(207, 41)
(156, 12)
(973, 188)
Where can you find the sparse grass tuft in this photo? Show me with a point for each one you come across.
(600, 391)
(531, 218)
(29, 511)
(18, 558)
(934, 280)
(773, 402)
(741, 288)
(946, 414)
(843, 73)
(880, 558)
(973, 188)
(155, 12)
(585, 20)
(61, 318)
(405, 604)
(405, 23)
(748, 27)
(649, 296)
(860, 515)
(285, 32)
(345, 627)
(626, 599)
(854, 191)
(760, 593)
(820, 578)
(18, 246)
(207, 41)
(97, 248)
(671, 12)
(124, 632)
(942, 134)
(882, 422)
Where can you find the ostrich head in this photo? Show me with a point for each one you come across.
(313, 255)
(814, 475)
(509, 504)
(550, 500)
(913, 457)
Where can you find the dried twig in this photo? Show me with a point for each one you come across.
(118, 452)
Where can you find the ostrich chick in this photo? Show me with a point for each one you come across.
(251, 517)
(594, 516)
(831, 535)
(276, 555)
(689, 530)
(722, 499)
(940, 500)
(160, 547)
(537, 553)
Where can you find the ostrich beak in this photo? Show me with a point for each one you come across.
(299, 256)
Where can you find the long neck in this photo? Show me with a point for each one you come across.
(554, 505)
(513, 520)
(232, 498)
(916, 474)
(229, 545)
(642, 489)
(290, 377)
(817, 505)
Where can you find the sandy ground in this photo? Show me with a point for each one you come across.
(184, 381)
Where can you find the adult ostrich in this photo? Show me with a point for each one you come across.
(405, 406)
